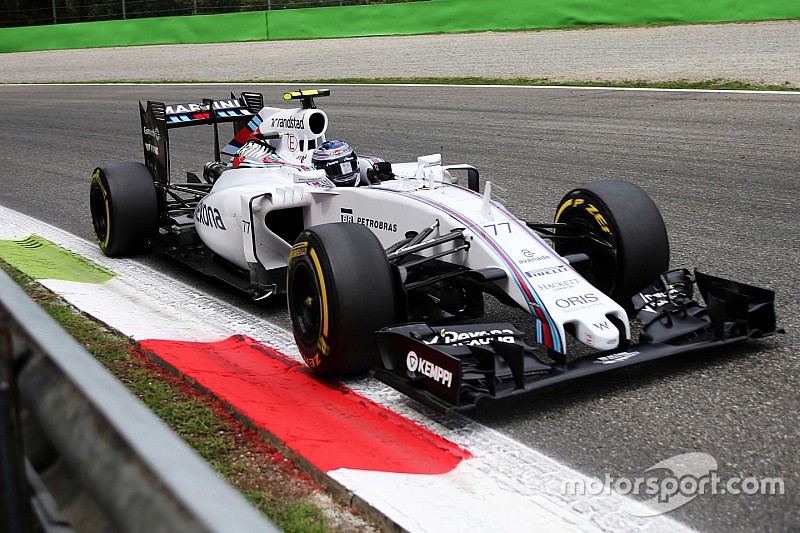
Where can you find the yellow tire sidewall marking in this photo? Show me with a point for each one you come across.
(96, 177)
(322, 290)
(561, 209)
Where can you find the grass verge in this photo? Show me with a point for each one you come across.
(272, 483)
(711, 84)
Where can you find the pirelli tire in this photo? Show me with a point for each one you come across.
(124, 207)
(340, 291)
(624, 236)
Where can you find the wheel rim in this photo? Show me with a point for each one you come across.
(305, 305)
(99, 210)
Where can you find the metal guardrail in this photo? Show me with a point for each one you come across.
(78, 452)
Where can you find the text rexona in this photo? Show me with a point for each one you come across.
(208, 216)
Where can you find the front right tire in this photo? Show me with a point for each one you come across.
(620, 228)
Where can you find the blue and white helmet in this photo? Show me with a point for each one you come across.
(339, 161)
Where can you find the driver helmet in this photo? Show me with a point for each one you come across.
(339, 161)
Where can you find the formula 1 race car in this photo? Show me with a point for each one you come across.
(390, 274)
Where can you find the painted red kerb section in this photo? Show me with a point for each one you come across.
(326, 423)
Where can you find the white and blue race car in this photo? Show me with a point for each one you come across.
(389, 274)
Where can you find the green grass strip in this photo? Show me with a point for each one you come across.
(41, 259)
(707, 84)
(718, 84)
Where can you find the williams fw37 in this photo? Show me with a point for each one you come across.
(386, 266)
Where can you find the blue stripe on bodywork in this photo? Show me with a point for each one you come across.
(534, 302)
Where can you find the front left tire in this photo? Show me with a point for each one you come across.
(340, 291)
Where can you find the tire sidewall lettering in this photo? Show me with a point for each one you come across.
(587, 207)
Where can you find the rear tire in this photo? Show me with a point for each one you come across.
(629, 247)
(340, 291)
(124, 207)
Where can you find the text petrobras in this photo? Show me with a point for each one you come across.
(348, 216)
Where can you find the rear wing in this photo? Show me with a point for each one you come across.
(158, 118)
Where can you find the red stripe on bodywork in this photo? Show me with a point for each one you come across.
(326, 423)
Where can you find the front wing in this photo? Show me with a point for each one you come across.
(455, 367)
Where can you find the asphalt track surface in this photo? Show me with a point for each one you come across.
(723, 168)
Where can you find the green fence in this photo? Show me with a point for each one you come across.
(14, 13)
(435, 16)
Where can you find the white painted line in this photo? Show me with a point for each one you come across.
(505, 486)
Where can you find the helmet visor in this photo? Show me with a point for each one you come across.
(344, 168)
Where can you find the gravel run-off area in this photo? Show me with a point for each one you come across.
(757, 53)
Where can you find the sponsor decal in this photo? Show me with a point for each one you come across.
(601, 221)
(177, 109)
(230, 103)
(532, 257)
(602, 325)
(293, 123)
(313, 362)
(573, 301)
(615, 358)
(151, 148)
(154, 133)
(323, 346)
(182, 108)
(377, 224)
(546, 271)
(583, 300)
(301, 248)
(558, 285)
(472, 338)
(415, 363)
(589, 208)
(208, 216)
(655, 300)
(347, 215)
